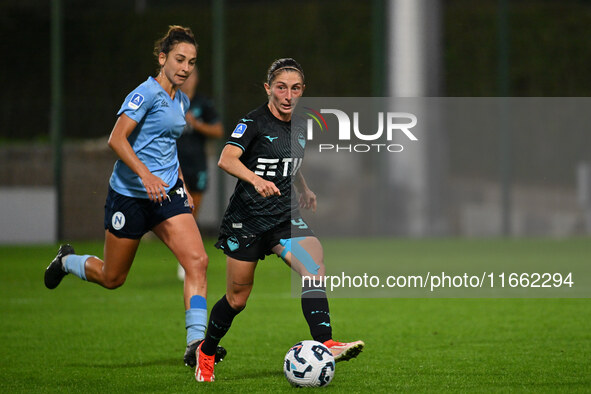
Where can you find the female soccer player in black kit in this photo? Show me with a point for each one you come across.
(265, 155)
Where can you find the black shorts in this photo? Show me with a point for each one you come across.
(195, 180)
(130, 217)
(256, 247)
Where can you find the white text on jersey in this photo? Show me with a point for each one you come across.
(269, 167)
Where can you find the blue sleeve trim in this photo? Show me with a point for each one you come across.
(237, 144)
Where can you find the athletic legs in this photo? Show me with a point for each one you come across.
(239, 283)
(305, 256)
(181, 235)
(118, 257)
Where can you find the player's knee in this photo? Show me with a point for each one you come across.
(237, 301)
(196, 264)
(113, 283)
(321, 268)
(202, 261)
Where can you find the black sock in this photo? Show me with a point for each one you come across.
(315, 308)
(220, 321)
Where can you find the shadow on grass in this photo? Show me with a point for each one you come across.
(172, 362)
(257, 375)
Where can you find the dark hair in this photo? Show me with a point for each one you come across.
(285, 64)
(174, 35)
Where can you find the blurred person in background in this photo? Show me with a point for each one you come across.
(265, 153)
(146, 188)
(202, 123)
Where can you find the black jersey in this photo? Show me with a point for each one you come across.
(275, 153)
(191, 144)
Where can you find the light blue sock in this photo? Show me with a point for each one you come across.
(196, 318)
(74, 264)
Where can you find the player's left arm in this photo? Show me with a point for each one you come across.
(208, 123)
(211, 130)
(307, 196)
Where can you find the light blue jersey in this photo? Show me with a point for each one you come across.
(160, 122)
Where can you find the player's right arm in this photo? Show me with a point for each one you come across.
(230, 162)
(155, 187)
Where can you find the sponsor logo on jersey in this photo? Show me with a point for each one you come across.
(118, 220)
(136, 101)
(271, 138)
(236, 225)
(272, 167)
(239, 130)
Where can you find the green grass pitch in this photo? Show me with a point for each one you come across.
(82, 338)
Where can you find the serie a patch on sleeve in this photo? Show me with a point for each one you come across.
(136, 101)
(239, 130)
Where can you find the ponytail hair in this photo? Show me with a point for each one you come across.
(175, 35)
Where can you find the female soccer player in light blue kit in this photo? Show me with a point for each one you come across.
(146, 189)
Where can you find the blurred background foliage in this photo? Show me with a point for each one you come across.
(108, 51)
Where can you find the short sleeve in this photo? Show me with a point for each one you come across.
(244, 133)
(137, 103)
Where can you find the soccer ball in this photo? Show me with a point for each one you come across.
(309, 364)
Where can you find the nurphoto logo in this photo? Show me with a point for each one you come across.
(389, 125)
